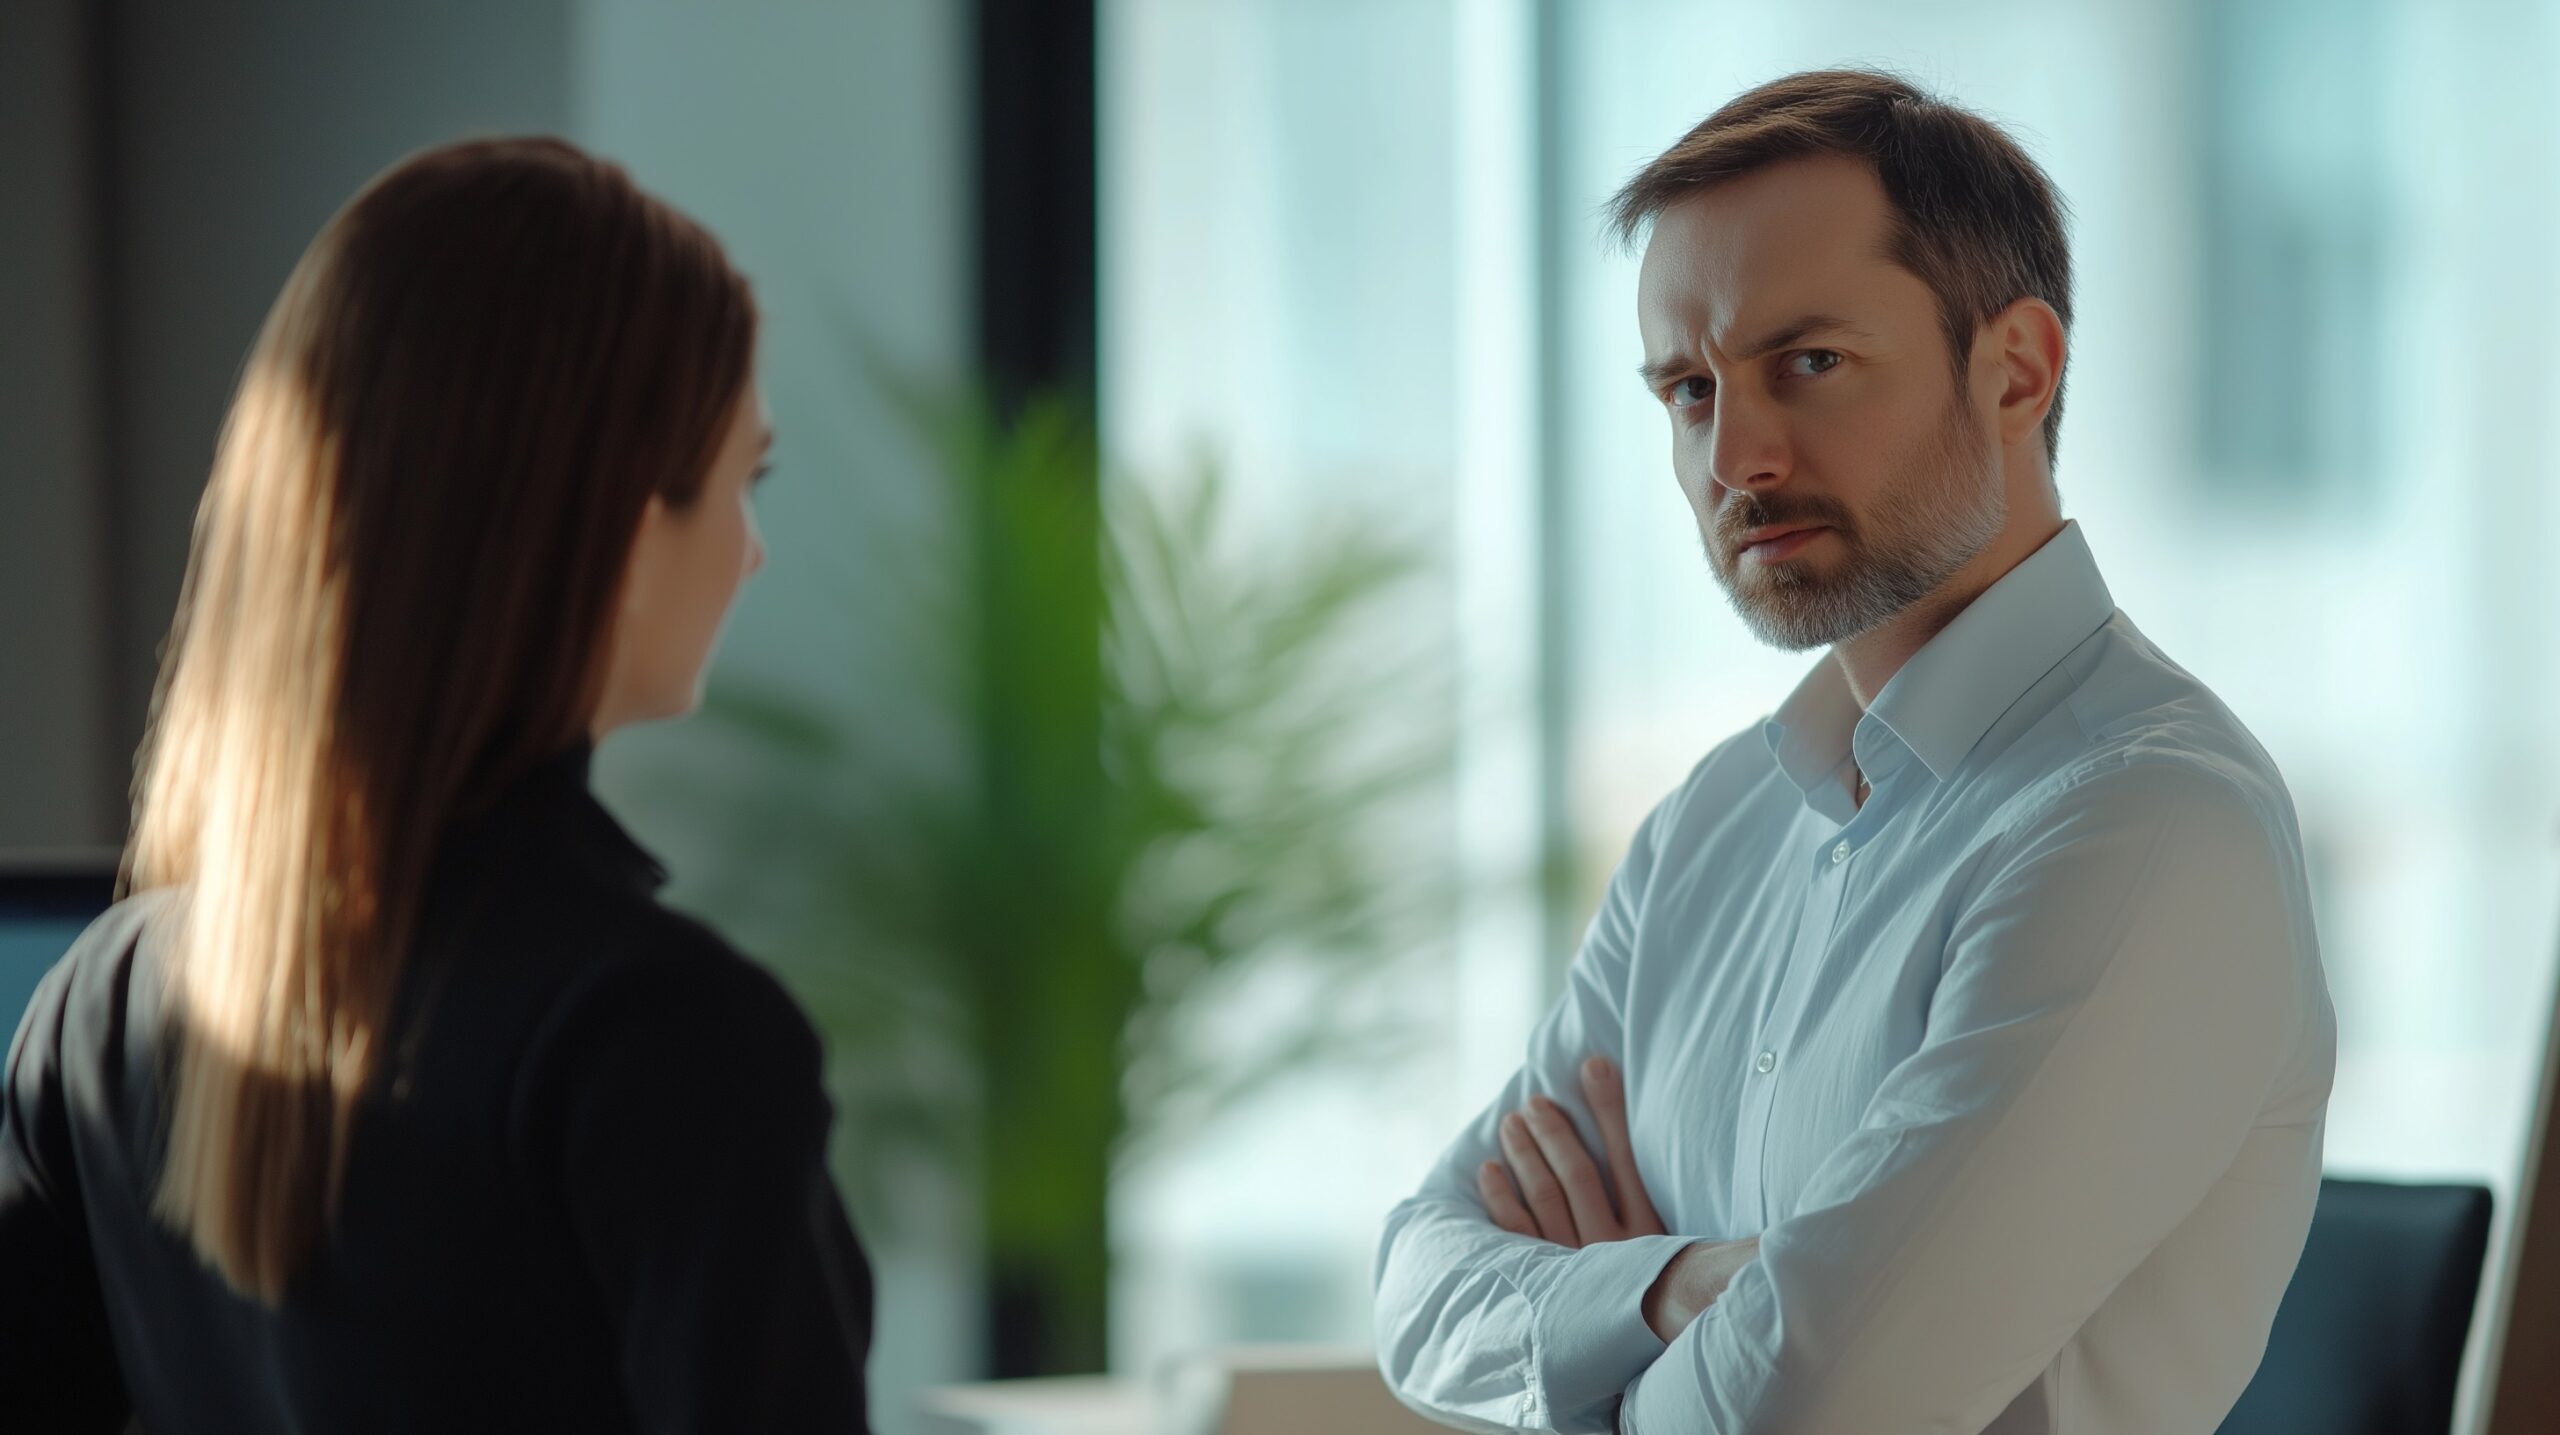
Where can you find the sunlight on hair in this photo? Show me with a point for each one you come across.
(239, 802)
(404, 567)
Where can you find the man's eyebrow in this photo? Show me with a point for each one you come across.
(1801, 328)
(1657, 372)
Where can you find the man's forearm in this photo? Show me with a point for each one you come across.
(1487, 1329)
(1526, 1306)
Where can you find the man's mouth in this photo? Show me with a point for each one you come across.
(1779, 541)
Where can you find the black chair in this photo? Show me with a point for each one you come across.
(45, 903)
(2369, 1338)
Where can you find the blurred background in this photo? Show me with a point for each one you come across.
(1168, 907)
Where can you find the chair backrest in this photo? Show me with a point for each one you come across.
(2369, 1338)
(45, 903)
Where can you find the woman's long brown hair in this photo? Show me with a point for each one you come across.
(400, 594)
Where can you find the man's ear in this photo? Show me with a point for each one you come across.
(2023, 347)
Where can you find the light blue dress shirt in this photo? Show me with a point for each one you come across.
(2018, 1072)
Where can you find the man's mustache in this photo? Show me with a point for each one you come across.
(1745, 512)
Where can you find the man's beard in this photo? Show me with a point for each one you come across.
(1940, 509)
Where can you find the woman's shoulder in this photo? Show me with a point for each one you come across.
(672, 1015)
(115, 933)
(674, 966)
(94, 974)
(75, 1042)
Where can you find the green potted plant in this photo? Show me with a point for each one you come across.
(1162, 763)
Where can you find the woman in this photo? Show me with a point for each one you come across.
(391, 1099)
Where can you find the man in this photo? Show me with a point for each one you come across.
(1963, 1023)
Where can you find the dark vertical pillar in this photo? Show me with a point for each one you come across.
(1048, 1262)
(1035, 192)
(2523, 1386)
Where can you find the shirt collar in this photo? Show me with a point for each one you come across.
(552, 803)
(1959, 683)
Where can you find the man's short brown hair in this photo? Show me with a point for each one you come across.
(1973, 216)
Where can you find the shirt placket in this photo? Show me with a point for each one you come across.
(1772, 1047)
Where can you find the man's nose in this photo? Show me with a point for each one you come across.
(1749, 452)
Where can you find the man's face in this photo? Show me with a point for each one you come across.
(1839, 471)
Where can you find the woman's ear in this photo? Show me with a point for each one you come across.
(648, 545)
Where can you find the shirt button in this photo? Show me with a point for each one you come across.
(1767, 1063)
(1839, 854)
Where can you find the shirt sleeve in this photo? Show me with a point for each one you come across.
(691, 1151)
(1488, 1331)
(2127, 987)
(58, 1367)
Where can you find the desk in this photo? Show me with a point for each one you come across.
(1240, 1390)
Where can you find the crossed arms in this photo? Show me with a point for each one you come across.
(2124, 990)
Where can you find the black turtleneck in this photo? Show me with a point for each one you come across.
(588, 1193)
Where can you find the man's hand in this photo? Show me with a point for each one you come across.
(1548, 1186)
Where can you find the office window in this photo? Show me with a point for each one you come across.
(2293, 159)
(2307, 436)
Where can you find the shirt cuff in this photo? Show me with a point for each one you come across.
(1587, 1334)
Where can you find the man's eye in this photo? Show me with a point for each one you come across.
(1689, 391)
(1808, 363)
